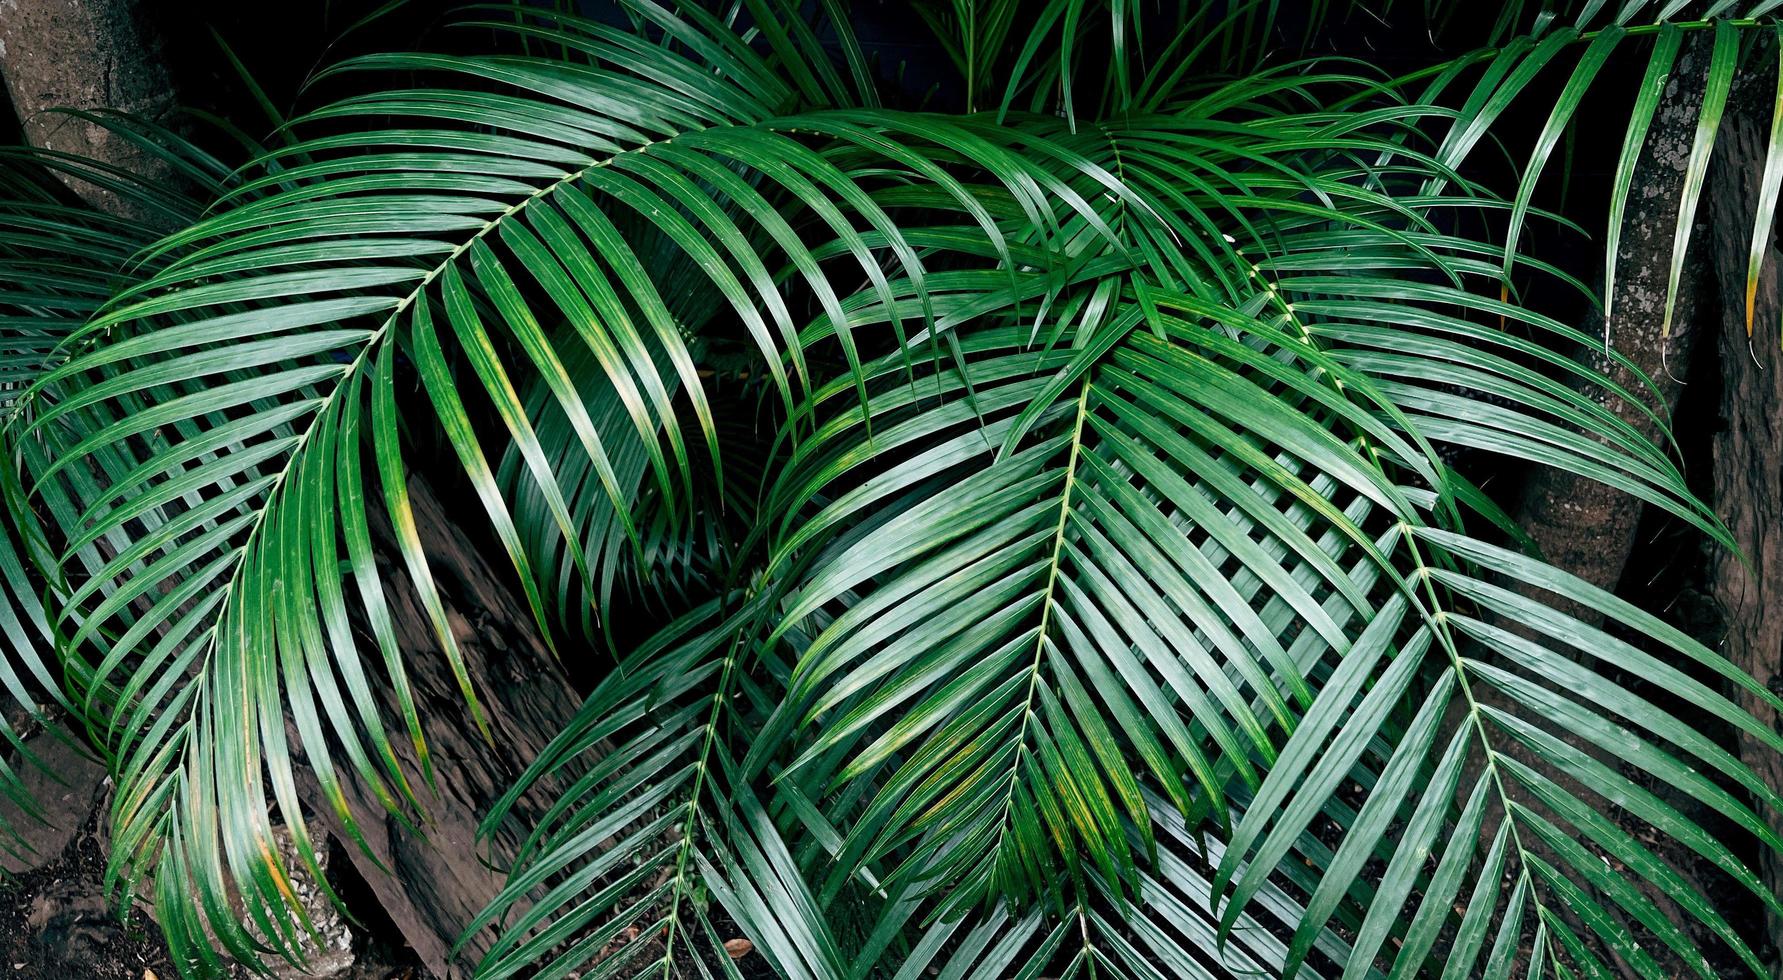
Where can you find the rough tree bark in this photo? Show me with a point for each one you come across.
(1590, 529)
(84, 54)
(1748, 449)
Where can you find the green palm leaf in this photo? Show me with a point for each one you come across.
(62, 261)
(615, 875)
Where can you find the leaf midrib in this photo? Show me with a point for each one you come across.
(1048, 599)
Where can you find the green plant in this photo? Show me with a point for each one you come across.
(1098, 600)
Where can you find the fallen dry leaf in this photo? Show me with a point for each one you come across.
(736, 949)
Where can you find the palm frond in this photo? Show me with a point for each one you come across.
(1208, 42)
(62, 260)
(1138, 549)
(1555, 732)
(615, 875)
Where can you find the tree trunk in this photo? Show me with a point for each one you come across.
(87, 55)
(1580, 524)
(1748, 451)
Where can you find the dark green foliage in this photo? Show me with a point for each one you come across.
(1094, 589)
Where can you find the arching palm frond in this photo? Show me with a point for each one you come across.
(659, 855)
(1557, 736)
(62, 260)
(618, 873)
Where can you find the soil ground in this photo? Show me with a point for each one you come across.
(55, 922)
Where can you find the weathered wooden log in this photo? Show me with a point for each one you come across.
(437, 879)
